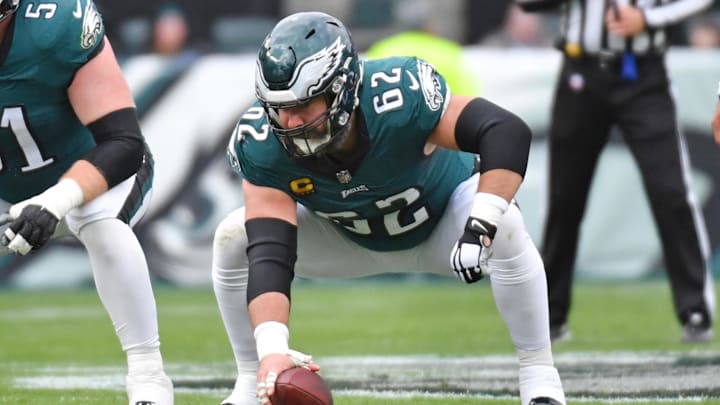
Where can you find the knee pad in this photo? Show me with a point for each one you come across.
(512, 238)
(519, 269)
(230, 241)
(230, 262)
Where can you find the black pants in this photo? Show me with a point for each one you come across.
(590, 98)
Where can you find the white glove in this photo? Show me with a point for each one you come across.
(472, 252)
(34, 220)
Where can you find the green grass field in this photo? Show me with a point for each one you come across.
(58, 347)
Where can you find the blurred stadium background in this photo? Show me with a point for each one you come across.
(188, 104)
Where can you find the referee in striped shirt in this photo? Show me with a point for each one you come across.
(614, 74)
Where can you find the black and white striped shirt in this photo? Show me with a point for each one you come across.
(584, 24)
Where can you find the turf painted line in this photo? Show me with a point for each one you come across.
(617, 377)
(596, 375)
(420, 394)
(49, 313)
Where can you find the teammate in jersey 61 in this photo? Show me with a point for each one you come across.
(363, 167)
(74, 161)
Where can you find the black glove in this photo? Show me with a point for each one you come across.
(30, 230)
(470, 255)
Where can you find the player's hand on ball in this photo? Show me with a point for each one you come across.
(272, 365)
(471, 253)
(300, 386)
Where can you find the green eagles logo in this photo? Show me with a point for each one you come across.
(430, 86)
(92, 26)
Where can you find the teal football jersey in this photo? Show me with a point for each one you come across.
(40, 135)
(394, 199)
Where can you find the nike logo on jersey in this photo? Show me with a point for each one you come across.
(78, 10)
(415, 85)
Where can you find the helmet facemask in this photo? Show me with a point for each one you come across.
(306, 140)
(293, 69)
(7, 7)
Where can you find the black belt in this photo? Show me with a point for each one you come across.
(612, 61)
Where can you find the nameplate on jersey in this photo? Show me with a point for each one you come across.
(347, 193)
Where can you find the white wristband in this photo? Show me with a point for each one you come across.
(271, 337)
(58, 199)
(62, 197)
(489, 207)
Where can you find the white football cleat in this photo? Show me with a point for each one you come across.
(538, 383)
(150, 390)
(244, 393)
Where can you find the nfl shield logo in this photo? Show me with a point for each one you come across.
(343, 176)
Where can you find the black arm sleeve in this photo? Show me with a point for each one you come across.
(539, 5)
(500, 137)
(272, 251)
(120, 145)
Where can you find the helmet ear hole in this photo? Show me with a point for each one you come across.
(343, 118)
(337, 84)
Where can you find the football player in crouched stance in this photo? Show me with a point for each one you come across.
(74, 161)
(362, 167)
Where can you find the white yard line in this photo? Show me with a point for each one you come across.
(614, 377)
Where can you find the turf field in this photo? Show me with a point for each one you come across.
(425, 342)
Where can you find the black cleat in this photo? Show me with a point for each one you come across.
(697, 329)
(560, 334)
(544, 401)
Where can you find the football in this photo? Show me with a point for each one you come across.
(300, 386)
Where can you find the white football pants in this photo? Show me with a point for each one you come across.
(119, 268)
(517, 280)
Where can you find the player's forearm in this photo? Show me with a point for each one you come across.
(272, 251)
(271, 306)
(269, 314)
(88, 177)
(674, 12)
(501, 182)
